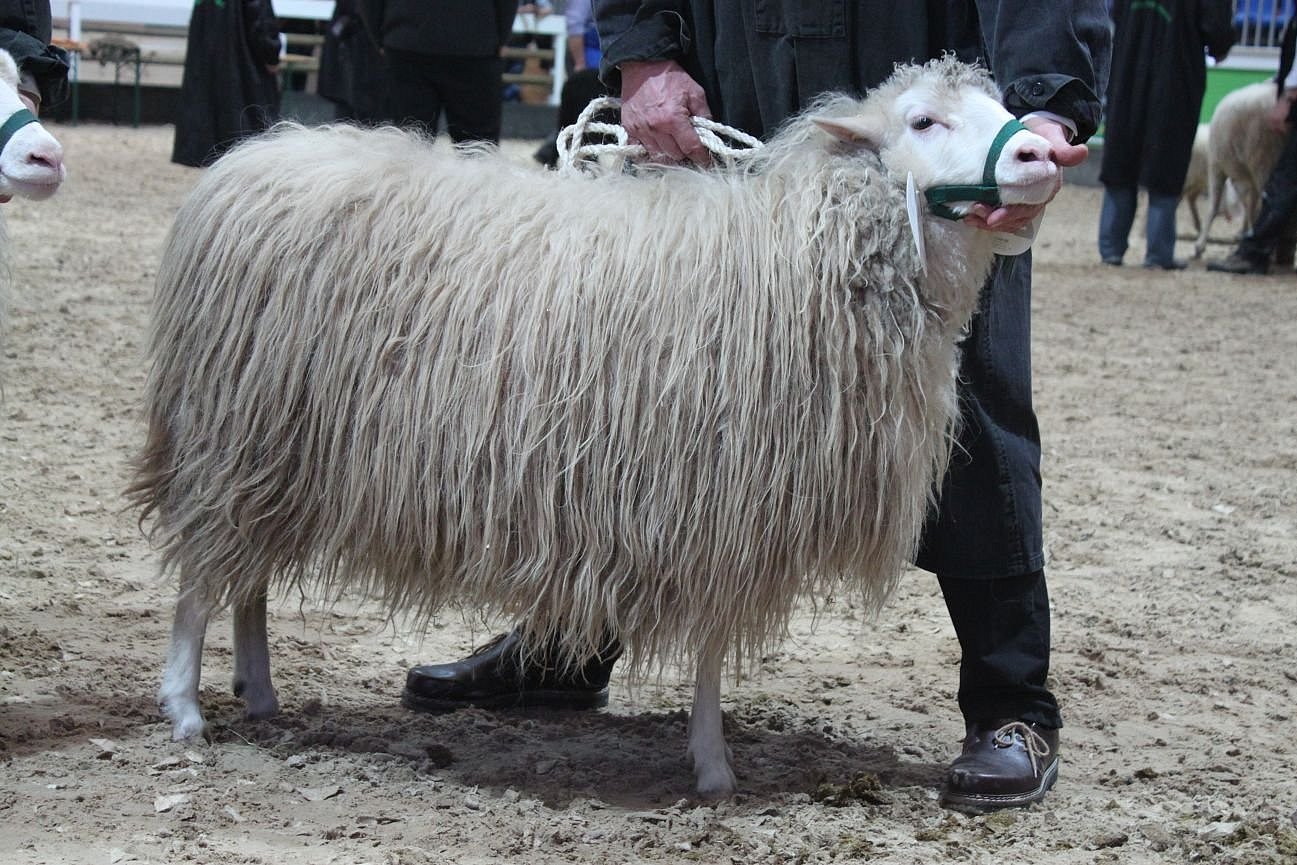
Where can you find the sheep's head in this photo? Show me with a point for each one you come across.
(939, 122)
(31, 160)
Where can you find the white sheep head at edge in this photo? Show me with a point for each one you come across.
(31, 162)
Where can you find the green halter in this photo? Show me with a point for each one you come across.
(16, 121)
(987, 192)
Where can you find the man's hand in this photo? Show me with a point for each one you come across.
(658, 98)
(1015, 216)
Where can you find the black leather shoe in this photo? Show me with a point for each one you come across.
(1173, 264)
(1239, 264)
(1005, 764)
(495, 677)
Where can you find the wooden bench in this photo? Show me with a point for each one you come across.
(123, 45)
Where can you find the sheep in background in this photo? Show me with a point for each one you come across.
(1195, 180)
(1242, 149)
(719, 392)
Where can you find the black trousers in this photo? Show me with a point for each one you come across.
(984, 540)
(465, 89)
(1003, 631)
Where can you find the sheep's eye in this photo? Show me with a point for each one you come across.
(919, 124)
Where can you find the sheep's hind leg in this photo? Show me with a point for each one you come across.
(711, 756)
(178, 693)
(1215, 195)
(252, 657)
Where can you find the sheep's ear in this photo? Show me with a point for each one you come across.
(860, 129)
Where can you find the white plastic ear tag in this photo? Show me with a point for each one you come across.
(916, 226)
(1017, 242)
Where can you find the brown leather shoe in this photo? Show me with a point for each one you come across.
(495, 677)
(1005, 764)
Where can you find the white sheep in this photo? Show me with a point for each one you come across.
(1195, 182)
(31, 161)
(1195, 179)
(661, 406)
(1242, 149)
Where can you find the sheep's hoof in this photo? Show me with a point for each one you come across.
(259, 699)
(260, 709)
(716, 782)
(186, 723)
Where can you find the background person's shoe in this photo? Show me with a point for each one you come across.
(1173, 264)
(496, 676)
(1004, 764)
(1238, 264)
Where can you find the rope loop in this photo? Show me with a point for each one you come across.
(577, 155)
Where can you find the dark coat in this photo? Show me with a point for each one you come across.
(441, 28)
(755, 77)
(761, 60)
(1155, 94)
(227, 92)
(25, 30)
(352, 72)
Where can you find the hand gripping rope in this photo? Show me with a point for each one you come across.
(574, 153)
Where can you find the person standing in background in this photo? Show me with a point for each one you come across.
(229, 90)
(582, 85)
(444, 58)
(352, 74)
(1154, 98)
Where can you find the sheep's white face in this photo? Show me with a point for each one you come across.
(31, 164)
(943, 138)
(946, 142)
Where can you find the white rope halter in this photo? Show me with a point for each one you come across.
(575, 155)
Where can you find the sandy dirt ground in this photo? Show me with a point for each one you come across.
(1168, 403)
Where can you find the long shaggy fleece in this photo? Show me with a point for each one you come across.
(662, 407)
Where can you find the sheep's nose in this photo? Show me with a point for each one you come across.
(1033, 149)
(49, 158)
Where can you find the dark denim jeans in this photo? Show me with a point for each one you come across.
(987, 523)
(1118, 215)
(984, 539)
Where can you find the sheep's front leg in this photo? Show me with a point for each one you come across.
(711, 756)
(252, 657)
(178, 694)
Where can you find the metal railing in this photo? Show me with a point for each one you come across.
(1260, 23)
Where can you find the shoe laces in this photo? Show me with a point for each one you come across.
(1037, 747)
